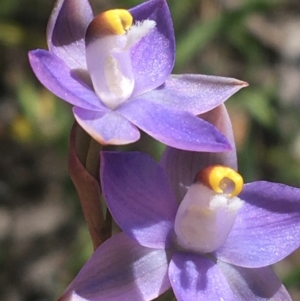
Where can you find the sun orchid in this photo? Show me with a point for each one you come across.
(213, 239)
(115, 70)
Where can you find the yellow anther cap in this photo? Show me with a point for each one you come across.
(221, 179)
(111, 22)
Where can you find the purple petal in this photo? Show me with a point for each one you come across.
(121, 269)
(182, 166)
(56, 76)
(66, 31)
(254, 284)
(196, 94)
(267, 228)
(139, 197)
(106, 128)
(174, 128)
(153, 57)
(195, 277)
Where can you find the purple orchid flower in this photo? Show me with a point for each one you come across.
(118, 78)
(151, 255)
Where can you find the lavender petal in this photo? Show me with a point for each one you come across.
(106, 128)
(153, 57)
(195, 277)
(139, 197)
(56, 76)
(195, 93)
(254, 284)
(66, 31)
(267, 228)
(175, 128)
(120, 269)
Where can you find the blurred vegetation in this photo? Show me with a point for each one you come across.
(253, 40)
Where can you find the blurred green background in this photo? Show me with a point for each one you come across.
(43, 237)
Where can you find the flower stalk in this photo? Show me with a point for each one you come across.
(83, 164)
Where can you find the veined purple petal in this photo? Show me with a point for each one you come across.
(195, 93)
(121, 269)
(182, 166)
(174, 128)
(66, 30)
(139, 197)
(254, 284)
(106, 128)
(153, 57)
(56, 76)
(195, 277)
(267, 228)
